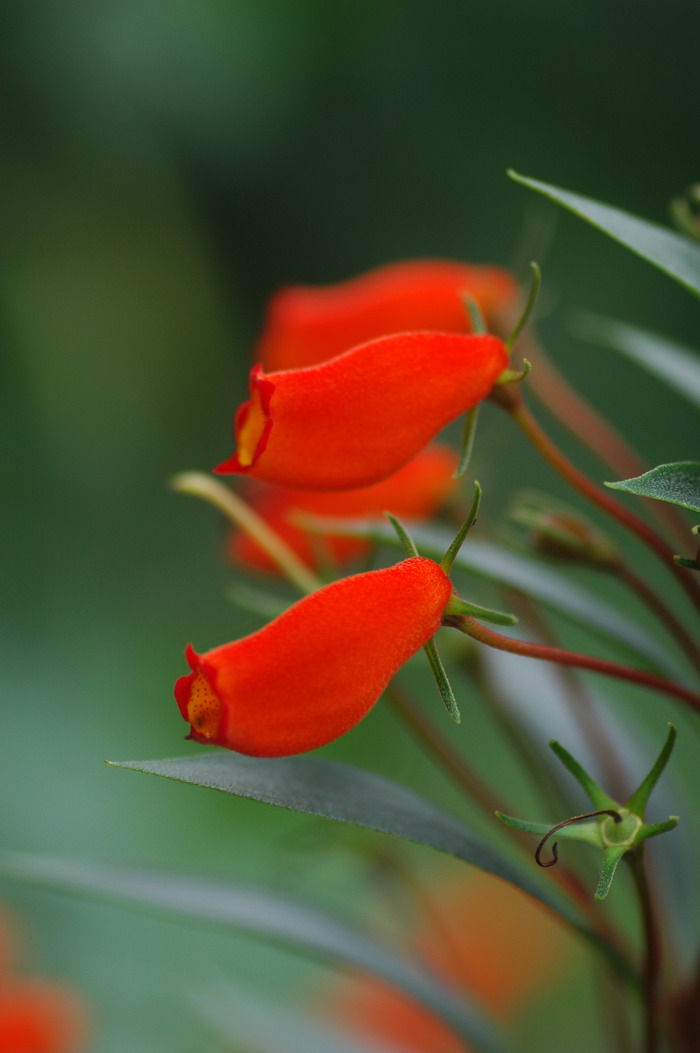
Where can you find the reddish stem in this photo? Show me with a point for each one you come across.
(510, 398)
(584, 421)
(571, 658)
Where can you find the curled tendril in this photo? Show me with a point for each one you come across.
(567, 822)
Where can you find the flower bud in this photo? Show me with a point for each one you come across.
(314, 672)
(356, 419)
(414, 493)
(309, 324)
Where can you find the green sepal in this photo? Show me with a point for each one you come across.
(476, 318)
(529, 305)
(456, 605)
(689, 564)
(611, 858)
(407, 542)
(513, 376)
(442, 681)
(652, 829)
(450, 556)
(471, 419)
(596, 793)
(638, 801)
(588, 832)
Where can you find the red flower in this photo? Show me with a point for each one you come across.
(479, 935)
(309, 324)
(38, 1016)
(414, 492)
(314, 672)
(357, 418)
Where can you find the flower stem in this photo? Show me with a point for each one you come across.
(589, 426)
(511, 400)
(431, 737)
(663, 612)
(546, 653)
(652, 955)
(197, 484)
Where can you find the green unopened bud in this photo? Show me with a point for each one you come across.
(559, 532)
(616, 829)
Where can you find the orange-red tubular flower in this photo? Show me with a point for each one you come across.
(355, 419)
(308, 324)
(414, 492)
(480, 936)
(314, 672)
(40, 1016)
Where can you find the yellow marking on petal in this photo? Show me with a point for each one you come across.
(250, 432)
(204, 707)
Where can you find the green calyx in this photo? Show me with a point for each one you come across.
(615, 829)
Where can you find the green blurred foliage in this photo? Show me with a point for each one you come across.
(166, 165)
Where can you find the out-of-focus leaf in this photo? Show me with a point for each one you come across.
(676, 365)
(316, 786)
(533, 577)
(677, 484)
(267, 914)
(242, 1018)
(671, 253)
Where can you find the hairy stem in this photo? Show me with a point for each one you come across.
(652, 953)
(545, 653)
(510, 398)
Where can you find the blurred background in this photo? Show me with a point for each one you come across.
(165, 167)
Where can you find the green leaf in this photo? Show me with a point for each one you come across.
(671, 253)
(270, 915)
(676, 365)
(315, 786)
(676, 484)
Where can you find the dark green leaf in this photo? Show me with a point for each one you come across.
(671, 253)
(270, 915)
(676, 484)
(337, 791)
(676, 365)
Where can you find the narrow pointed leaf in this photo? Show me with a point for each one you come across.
(611, 858)
(676, 484)
(670, 252)
(597, 795)
(638, 801)
(315, 786)
(267, 914)
(442, 681)
(674, 364)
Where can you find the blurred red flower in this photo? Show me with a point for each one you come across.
(308, 324)
(413, 493)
